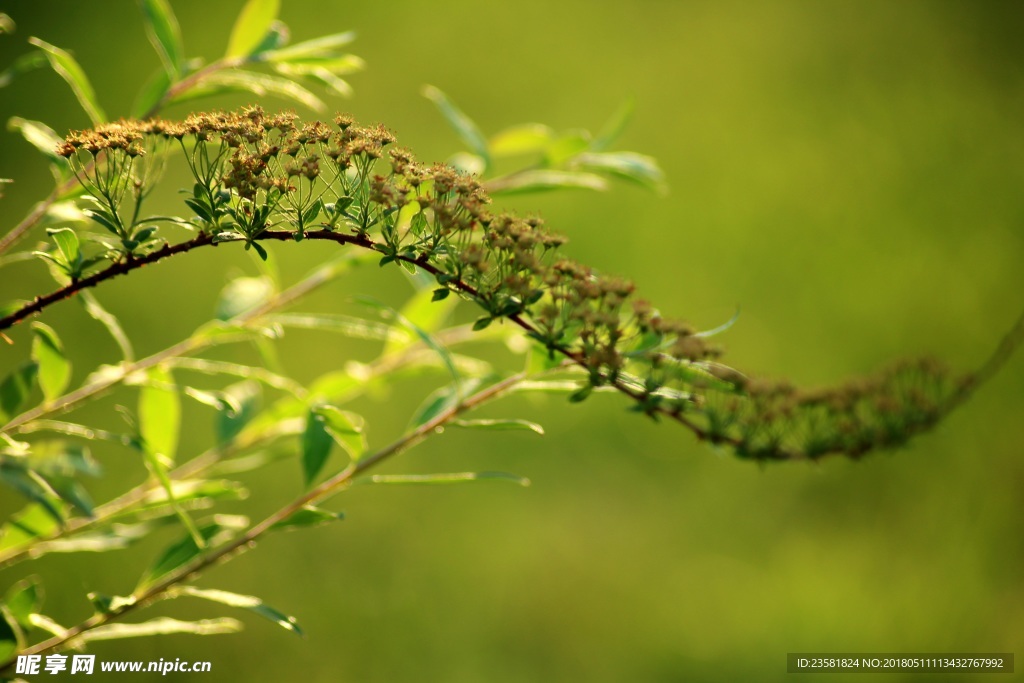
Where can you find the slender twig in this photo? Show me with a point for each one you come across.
(124, 503)
(241, 543)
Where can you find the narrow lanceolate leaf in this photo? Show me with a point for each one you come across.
(251, 26)
(316, 445)
(346, 428)
(151, 94)
(501, 425)
(160, 413)
(68, 69)
(39, 135)
(109, 321)
(181, 553)
(68, 245)
(15, 391)
(448, 478)
(30, 524)
(638, 168)
(614, 126)
(116, 537)
(528, 138)
(318, 47)
(163, 32)
(308, 516)
(358, 328)
(23, 600)
(23, 64)
(242, 295)
(34, 488)
(162, 626)
(236, 80)
(463, 126)
(249, 602)
(54, 368)
(540, 180)
(249, 396)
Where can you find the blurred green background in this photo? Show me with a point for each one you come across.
(849, 173)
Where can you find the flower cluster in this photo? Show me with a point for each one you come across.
(254, 171)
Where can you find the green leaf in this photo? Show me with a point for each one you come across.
(23, 64)
(249, 602)
(346, 428)
(54, 368)
(107, 319)
(236, 80)
(15, 391)
(68, 69)
(244, 294)
(638, 168)
(615, 125)
(160, 413)
(566, 146)
(249, 396)
(33, 487)
(503, 425)
(540, 180)
(445, 398)
(182, 552)
(527, 138)
(33, 522)
(163, 32)
(449, 478)
(23, 600)
(116, 537)
(316, 445)
(151, 94)
(67, 243)
(40, 136)
(251, 26)
(358, 328)
(318, 47)
(307, 516)
(482, 323)
(162, 626)
(463, 126)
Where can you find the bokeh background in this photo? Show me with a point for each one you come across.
(849, 173)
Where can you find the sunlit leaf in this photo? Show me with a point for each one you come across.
(33, 487)
(23, 64)
(68, 69)
(54, 367)
(249, 396)
(308, 516)
(463, 126)
(500, 425)
(243, 295)
(346, 428)
(15, 391)
(614, 126)
(638, 168)
(31, 523)
(151, 94)
(251, 26)
(260, 84)
(448, 478)
(182, 552)
(318, 47)
(108, 320)
(163, 32)
(40, 136)
(539, 180)
(160, 413)
(527, 138)
(249, 602)
(24, 599)
(115, 537)
(162, 626)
